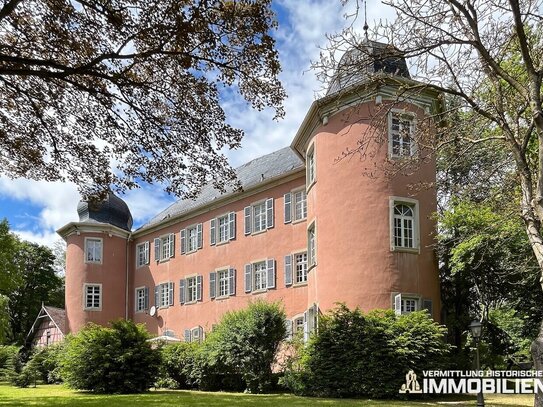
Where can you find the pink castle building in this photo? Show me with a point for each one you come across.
(307, 229)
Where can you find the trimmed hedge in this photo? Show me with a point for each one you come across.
(356, 354)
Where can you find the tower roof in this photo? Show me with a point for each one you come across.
(112, 210)
(368, 58)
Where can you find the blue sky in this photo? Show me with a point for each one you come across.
(35, 209)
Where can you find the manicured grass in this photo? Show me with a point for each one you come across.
(61, 396)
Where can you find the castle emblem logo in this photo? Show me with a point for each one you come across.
(411, 384)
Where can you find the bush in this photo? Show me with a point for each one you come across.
(179, 362)
(111, 360)
(47, 362)
(355, 354)
(8, 361)
(243, 346)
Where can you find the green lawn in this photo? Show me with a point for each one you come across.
(61, 396)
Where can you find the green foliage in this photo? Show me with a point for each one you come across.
(179, 362)
(246, 342)
(26, 268)
(4, 318)
(47, 361)
(8, 361)
(355, 354)
(111, 360)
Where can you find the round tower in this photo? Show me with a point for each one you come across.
(373, 237)
(96, 259)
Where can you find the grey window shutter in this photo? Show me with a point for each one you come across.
(146, 252)
(187, 335)
(288, 207)
(157, 287)
(199, 237)
(288, 270)
(248, 278)
(172, 244)
(306, 328)
(182, 291)
(212, 232)
(170, 288)
(269, 213)
(199, 283)
(271, 273)
(427, 305)
(157, 249)
(146, 300)
(201, 333)
(288, 328)
(183, 240)
(398, 304)
(212, 284)
(232, 225)
(232, 281)
(247, 211)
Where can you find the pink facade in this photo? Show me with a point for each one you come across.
(321, 232)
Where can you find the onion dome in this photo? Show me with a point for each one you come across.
(112, 210)
(363, 61)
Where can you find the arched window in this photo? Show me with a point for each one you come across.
(404, 220)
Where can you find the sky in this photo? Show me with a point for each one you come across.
(36, 209)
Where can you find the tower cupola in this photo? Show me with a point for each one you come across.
(112, 210)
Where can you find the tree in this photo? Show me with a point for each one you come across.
(4, 319)
(489, 56)
(119, 359)
(26, 268)
(134, 84)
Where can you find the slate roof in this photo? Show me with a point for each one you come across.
(359, 63)
(58, 315)
(270, 166)
(112, 210)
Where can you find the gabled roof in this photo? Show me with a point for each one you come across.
(251, 174)
(57, 315)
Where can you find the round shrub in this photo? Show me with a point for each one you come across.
(111, 360)
(355, 354)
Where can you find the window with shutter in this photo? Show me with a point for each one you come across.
(427, 305)
(183, 240)
(269, 213)
(311, 245)
(270, 274)
(232, 225)
(248, 278)
(187, 335)
(310, 167)
(232, 287)
(164, 247)
(182, 291)
(248, 221)
(212, 232)
(260, 276)
(142, 254)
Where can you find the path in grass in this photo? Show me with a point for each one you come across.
(45, 396)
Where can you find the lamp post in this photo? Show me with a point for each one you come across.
(476, 329)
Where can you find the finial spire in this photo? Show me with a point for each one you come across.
(366, 20)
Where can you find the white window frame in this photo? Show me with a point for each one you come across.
(406, 297)
(261, 275)
(200, 334)
(223, 281)
(92, 308)
(142, 250)
(311, 245)
(192, 241)
(311, 173)
(191, 293)
(138, 298)
(101, 247)
(403, 115)
(298, 325)
(165, 247)
(225, 228)
(414, 204)
(303, 202)
(262, 216)
(303, 264)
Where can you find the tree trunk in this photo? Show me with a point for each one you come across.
(537, 356)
